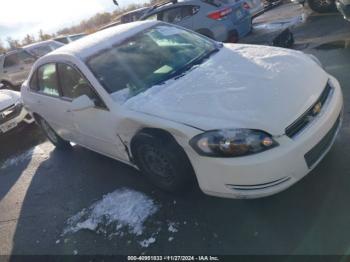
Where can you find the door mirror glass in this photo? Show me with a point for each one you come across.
(81, 103)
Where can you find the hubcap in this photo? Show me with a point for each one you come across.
(156, 163)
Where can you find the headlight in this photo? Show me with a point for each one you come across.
(232, 142)
(315, 59)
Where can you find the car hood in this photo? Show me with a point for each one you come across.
(8, 98)
(242, 86)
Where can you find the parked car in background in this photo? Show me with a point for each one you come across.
(212, 18)
(127, 17)
(344, 8)
(319, 6)
(133, 15)
(244, 121)
(16, 65)
(255, 7)
(42, 48)
(69, 38)
(12, 112)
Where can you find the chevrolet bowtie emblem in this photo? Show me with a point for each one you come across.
(317, 108)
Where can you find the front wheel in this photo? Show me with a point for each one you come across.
(53, 136)
(164, 163)
(322, 6)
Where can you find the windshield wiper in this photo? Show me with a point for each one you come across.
(197, 61)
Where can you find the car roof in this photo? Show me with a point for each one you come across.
(65, 36)
(96, 42)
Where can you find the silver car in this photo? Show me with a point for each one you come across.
(16, 65)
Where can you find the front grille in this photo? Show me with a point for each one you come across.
(308, 116)
(10, 113)
(318, 151)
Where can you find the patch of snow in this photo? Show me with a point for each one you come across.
(58, 241)
(75, 252)
(123, 208)
(145, 243)
(172, 227)
(170, 239)
(13, 161)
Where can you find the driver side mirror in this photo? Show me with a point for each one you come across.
(82, 103)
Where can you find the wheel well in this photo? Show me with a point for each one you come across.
(161, 134)
(158, 133)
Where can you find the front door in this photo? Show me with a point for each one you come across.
(95, 128)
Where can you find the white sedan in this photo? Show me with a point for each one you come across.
(12, 112)
(244, 121)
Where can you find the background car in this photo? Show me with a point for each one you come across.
(69, 38)
(16, 65)
(133, 15)
(42, 48)
(12, 111)
(319, 6)
(344, 8)
(214, 19)
(254, 7)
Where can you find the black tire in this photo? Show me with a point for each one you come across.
(322, 6)
(164, 163)
(54, 138)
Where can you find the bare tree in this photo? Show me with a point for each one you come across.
(43, 36)
(28, 39)
(2, 47)
(13, 43)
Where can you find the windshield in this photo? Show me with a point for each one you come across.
(149, 58)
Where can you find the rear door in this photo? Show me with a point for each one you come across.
(44, 98)
(179, 15)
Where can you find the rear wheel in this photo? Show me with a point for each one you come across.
(53, 136)
(322, 6)
(164, 163)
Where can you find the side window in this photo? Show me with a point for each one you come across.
(11, 60)
(172, 15)
(63, 40)
(73, 84)
(154, 17)
(176, 15)
(47, 80)
(41, 50)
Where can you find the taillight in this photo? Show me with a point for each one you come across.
(217, 15)
(246, 6)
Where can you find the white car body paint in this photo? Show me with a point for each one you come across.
(8, 99)
(242, 86)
